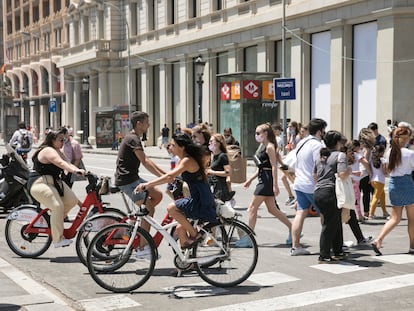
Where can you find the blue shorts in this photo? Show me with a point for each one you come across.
(305, 200)
(400, 190)
(129, 190)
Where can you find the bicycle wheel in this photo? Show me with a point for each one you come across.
(228, 256)
(27, 245)
(89, 229)
(112, 265)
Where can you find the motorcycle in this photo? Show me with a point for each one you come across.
(14, 175)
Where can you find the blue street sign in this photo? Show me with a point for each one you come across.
(284, 89)
(52, 105)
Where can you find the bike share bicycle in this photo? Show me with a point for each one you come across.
(113, 265)
(28, 231)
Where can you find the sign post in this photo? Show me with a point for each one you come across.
(285, 89)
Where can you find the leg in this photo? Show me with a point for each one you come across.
(375, 198)
(410, 216)
(272, 209)
(354, 225)
(178, 215)
(286, 184)
(357, 199)
(253, 208)
(365, 187)
(154, 198)
(396, 214)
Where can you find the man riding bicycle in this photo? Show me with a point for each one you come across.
(22, 141)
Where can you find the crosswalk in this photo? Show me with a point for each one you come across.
(273, 278)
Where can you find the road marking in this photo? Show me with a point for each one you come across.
(201, 289)
(322, 295)
(271, 278)
(396, 259)
(108, 303)
(27, 283)
(338, 268)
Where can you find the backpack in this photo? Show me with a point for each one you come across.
(25, 140)
(237, 163)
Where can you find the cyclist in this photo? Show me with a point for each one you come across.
(130, 156)
(22, 140)
(46, 186)
(201, 204)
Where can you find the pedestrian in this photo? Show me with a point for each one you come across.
(165, 134)
(22, 140)
(400, 164)
(201, 204)
(379, 139)
(267, 187)
(45, 183)
(219, 168)
(307, 152)
(201, 136)
(366, 139)
(293, 136)
(379, 171)
(130, 156)
(331, 162)
(229, 138)
(177, 128)
(73, 152)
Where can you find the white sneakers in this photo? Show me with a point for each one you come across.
(63, 243)
(299, 251)
(144, 253)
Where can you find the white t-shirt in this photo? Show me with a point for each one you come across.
(407, 163)
(305, 162)
(378, 173)
(356, 166)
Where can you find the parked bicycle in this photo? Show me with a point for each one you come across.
(114, 264)
(28, 231)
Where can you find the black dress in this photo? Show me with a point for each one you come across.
(265, 177)
(219, 184)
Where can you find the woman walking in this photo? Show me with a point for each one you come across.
(267, 187)
(401, 186)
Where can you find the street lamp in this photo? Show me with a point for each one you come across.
(85, 88)
(199, 64)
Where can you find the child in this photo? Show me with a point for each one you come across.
(378, 169)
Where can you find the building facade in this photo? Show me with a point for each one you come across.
(352, 61)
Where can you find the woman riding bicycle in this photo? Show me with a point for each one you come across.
(200, 205)
(46, 186)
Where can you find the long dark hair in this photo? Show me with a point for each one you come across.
(377, 153)
(399, 135)
(48, 142)
(193, 150)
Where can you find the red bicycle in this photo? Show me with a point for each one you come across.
(28, 231)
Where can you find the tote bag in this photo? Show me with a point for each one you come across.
(344, 192)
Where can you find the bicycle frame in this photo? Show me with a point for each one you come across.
(91, 201)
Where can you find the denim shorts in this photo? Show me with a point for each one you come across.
(305, 200)
(129, 190)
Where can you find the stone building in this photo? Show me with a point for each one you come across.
(352, 62)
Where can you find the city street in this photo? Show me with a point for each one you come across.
(279, 282)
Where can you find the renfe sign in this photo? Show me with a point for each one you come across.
(284, 89)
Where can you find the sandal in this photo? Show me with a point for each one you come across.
(191, 242)
(376, 248)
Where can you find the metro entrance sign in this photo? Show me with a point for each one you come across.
(52, 105)
(284, 89)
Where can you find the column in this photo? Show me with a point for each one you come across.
(67, 108)
(77, 108)
(93, 104)
(103, 94)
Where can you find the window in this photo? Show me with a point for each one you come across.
(170, 12)
(217, 5)
(222, 62)
(192, 8)
(250, 58)
(151, 15)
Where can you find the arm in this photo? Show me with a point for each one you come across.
(148, 164)
(225, 173)
(52, 156)
(182, 166)
(271, 152)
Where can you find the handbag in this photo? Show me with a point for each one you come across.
(77, 177)
(345, 194)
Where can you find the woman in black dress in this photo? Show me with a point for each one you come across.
(267, 187)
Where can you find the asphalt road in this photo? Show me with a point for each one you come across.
(279, 282)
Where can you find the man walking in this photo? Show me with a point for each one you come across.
(307, 152)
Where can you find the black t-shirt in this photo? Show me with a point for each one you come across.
(165, 132)
(127, 163)
(218, 163)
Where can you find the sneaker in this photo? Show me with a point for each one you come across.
(299, 251)
(366, 241)
(289, 238)
(411, 251)
(341, 256)
(290, 201)
(244, 242)
(63, 243)
(144, 253)
(327, 260)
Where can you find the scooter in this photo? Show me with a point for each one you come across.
(14, 175)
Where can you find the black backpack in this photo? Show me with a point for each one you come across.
(25, 140)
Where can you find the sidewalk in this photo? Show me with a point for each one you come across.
(19, 292)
